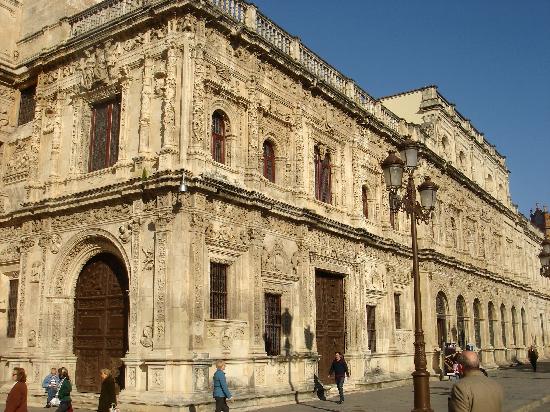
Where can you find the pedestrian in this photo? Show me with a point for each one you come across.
(50, 384)
(340, 370)
(107, 397)
(475, 392)
(221, 391)
(64, 391)
(533, 356)
(17, 397)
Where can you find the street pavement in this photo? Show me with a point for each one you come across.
(524, 391)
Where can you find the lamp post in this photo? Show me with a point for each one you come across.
(393, 167)
(545, 258)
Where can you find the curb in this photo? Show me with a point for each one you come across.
(535, 404)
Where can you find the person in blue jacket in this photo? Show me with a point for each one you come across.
(49, 384)
(221, 391)
(340, 370)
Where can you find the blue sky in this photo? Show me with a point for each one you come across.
(491, 58)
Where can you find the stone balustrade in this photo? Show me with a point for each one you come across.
(102, 13)
(247, 15)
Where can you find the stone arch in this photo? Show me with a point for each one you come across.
(442, 317)
(461, 321)
(61, 287)
(478, 319)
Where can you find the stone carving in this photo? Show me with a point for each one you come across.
(56, 243)
(148, 258)
(125, 232)
(10, 253)
(132, 377)
(17, 166)
(31, 340)
(98, 64)
(147, 337)
(4, 118)
(90, 217)
(157, 378)
(200, 378)
(36, 270)
(259, 375)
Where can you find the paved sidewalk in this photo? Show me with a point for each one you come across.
(523, 390)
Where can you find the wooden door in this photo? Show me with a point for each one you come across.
(330, 324)
(100, 328)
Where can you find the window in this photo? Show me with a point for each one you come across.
(365, 198)
(542, 331)
(104, 134)
(12, 307)
(269, 161)
(397, 309)
(218, 291)
(323, 178)
(272, 334)
(218, 137)
(27, 105)
(371, 328)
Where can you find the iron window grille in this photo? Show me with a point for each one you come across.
(371, 328)
(218, 290)
(12, 307)
(272, 335)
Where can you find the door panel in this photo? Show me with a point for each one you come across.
(330, 323)
(100, 337)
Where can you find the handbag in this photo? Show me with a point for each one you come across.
(55, 400)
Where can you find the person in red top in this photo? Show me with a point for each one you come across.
(17, 398)
(340, 370)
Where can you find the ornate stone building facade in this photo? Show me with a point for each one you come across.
(276, 248)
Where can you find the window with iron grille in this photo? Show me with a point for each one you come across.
(371, 327)
(365, 198)
(218, 290)
(323, 178)
(12, 307)
(523, 327)
(218, 137)
(269, 161)
(397, 308)
(272, 335)
(27, 105)
(104, 134)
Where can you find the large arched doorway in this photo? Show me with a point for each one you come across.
(100, 337)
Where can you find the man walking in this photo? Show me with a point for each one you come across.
(475, 392)
(533, 356)
(340, 370)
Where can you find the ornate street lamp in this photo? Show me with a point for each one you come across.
(545, 258)
(393, 168)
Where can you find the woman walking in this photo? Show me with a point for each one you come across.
(107, 396)
(17, 398)
(64, 392)
(340, 370)
(221, 391)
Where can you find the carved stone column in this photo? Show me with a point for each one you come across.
(56, 134)
(256, 304)
(197, 294)
(144, 149)
(169, 149)
(27, 243)
(160, 282)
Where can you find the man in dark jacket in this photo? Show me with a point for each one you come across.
(339, 368)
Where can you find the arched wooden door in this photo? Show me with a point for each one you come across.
(100, 336)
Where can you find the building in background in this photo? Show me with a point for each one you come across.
(541, 219)
(185, 181)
